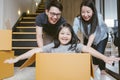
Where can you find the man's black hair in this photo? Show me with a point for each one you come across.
(55, 4)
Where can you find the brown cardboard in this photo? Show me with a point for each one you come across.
(62, 66)
(6, 70)
(28, 62)
(5, 39)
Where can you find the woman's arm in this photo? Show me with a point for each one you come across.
(96, 54)
(24, 56)
(91, 39)
(76, 24)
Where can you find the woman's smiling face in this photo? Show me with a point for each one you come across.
(65, 36)
(86, 13)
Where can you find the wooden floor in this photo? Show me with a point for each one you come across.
(29, 74)
(24, 74)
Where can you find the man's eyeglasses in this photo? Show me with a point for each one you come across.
(55, 14)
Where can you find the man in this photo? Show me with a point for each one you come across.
(48, 22)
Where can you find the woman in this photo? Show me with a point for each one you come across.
(94, 30)
(65, 41)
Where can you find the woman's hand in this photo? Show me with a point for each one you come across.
(110, 60)
(11, 60)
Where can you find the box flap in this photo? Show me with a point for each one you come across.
(63, 66)
(28, 62)
(5, 39)
(92, 71)
(6, 70)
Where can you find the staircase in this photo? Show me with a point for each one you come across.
(24, 33)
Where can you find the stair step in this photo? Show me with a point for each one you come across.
(24, 44)
(25, 27)
(24, 40)
(20, 51)
(28, 17)
(39, 11)
(23, 47)
(24, 33)
(42, 8)
(24, 36)
(32, 15)
(27, 22)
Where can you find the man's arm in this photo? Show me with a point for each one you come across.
(39, 37)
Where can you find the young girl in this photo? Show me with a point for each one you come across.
(65, 41)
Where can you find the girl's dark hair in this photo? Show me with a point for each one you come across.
(56, 4)
(94, 20)
(74, 39)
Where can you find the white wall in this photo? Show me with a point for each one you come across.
(110, 12)
(1, 14)
(99, 6)
(110, 9)
(9, 9)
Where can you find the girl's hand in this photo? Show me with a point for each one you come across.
(11, 60)
(111, 60)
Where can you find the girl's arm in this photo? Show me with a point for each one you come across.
(26, 55)
(96, 54)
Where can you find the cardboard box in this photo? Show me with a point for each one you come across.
(5, 39)
(61, 66)
(6, 70)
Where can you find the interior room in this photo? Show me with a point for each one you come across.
(19, 16)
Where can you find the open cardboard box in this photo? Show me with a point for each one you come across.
(61, 66)
(5, 39)
(6, 70)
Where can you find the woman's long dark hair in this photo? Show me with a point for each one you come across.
(93, 21)
(74, 39)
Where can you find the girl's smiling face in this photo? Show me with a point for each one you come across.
(65, 36)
